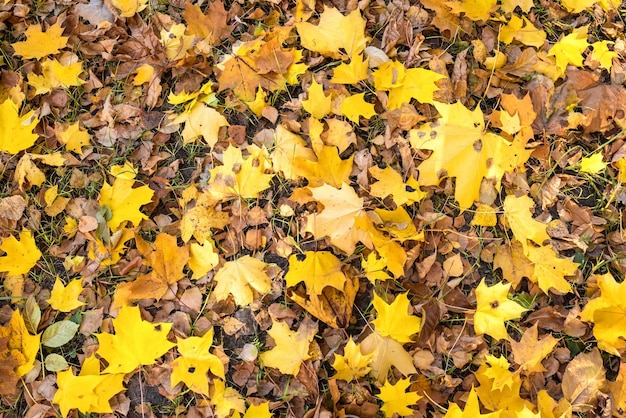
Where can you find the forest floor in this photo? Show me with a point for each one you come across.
(313, 208)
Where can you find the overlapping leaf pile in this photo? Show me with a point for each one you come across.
(275, 208)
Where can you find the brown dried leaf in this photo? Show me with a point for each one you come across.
(583, 380)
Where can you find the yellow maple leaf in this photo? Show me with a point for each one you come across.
(16, 132)
(499, 388)
(336, 220)
(374, 268)
(351, 73)
(239, 277)
(288, 149)
(484, 215)
(328, 168)
(386, 352)
(74, 138)
(226, 401)
(88, 393)
(549, 270)
(577, 6)
(203, 121)
(339, 133)
(259, 411)
(462, 149)
(317, 269)
(549, 408)
(334, 33)
(396, 400)
(56, 75)
(514, 264)
(394, 320)
(522, 30)
(405, 84)
(259, 103)
(531, 350)
(257, 64)
(355, 106)
(352, 364)
(65, 298)
(471, 410)
(608, 314)
(135, 342)
(603, 55)
(200, 215)
(21, 256)
(39, 44)
(592, 164)
(123, 202)
(202, 258)
(390, 182)
(498, 371)
(517, 211)
(20, 340)
(569, 49)
(167, 261)
(240, 177)
(212, 26)
(473, 9)
(493, 309)
(392, 227)
(126, 171)
(143, 74)
(175, 42)
(195, 362)
(317, 103)
(617, 388)
(109, 251)
(27, 174)
(292, 347)
(128, 8)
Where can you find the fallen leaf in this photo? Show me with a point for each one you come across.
(123, 202)
(21, 256)
(334, 33)
(592, 164)
(292, 347)
(583, 380)
(195, 362)
(394, 320)
(608, 314)
(22, 342)
(65, 298)
(463, 150)
(87, 393)
(317, 269)
(16, 132)
(517, 211)
(239, 277)
(136, 342)
(396, 400)
(39, 43)
(352, 364)
(493, 309)
(531, 350)
(336, 220)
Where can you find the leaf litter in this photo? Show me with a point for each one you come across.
(312, 208)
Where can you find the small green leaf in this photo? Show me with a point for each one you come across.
(55, 363)
(59, 333)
